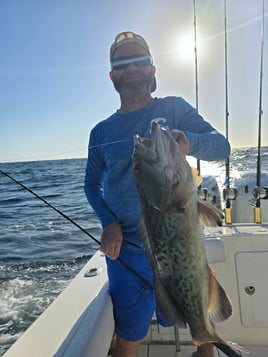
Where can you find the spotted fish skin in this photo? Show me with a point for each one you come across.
(186, 290)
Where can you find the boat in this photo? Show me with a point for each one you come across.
(80, 320)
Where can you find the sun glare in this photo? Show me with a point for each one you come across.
(186, 46)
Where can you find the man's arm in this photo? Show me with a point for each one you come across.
(206, 143)
(93, 183)
(211, 146)
(111, 239)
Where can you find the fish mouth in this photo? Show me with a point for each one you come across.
(140, 141)
(153, 166)
(143, 147)
(156, 148)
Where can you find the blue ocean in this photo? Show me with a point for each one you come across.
(40, 250)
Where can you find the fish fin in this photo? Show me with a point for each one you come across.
(209, 215)
(219, 306)
(198, 179)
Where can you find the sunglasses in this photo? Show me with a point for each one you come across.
(124, 61)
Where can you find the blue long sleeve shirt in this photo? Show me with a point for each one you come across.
(109, 181)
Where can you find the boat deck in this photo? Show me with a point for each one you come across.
(158, 350)
(186, 351)
(163, 350)
(160, 341)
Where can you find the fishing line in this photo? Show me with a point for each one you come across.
(110, 143)
(145, 281)
(45, 156)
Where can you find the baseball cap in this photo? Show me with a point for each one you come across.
(130, 37)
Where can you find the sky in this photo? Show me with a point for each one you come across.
(54, 68)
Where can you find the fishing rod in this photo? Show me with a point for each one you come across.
(260, 192)
(196, 73)
(195, 60)
(145, 281)
(202, 192)
(228, 193)
(227, 162)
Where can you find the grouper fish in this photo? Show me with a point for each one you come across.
(186, 290)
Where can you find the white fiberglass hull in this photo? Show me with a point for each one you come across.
(80, 321)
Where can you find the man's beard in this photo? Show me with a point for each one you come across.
(136, 87)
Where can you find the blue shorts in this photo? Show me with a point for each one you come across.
(133, 301)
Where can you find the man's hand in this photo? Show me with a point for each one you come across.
(182, 140)
(111, 240)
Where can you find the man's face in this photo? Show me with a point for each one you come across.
(134, 78)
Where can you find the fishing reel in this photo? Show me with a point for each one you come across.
(203, 193)
(230, 194)
(260, 193)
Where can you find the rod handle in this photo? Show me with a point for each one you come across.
(228, 215)
(257, 214)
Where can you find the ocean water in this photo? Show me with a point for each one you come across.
(40, 251)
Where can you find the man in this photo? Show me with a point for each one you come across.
(110, 185)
